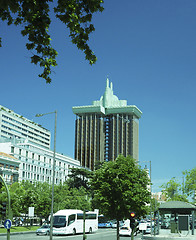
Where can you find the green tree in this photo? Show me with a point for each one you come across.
(66, 198)
(16, 194)
(38, 195)
(26, 194)
(172, 191)
(3, 197)
(154, 205)
(43, 202)
(98, 164)
(79, 177)
(34, 18)
(121, 187)
(29, 197)
(190, 183)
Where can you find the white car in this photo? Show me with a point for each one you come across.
(114, 224)
(125, 231)
(43, 230)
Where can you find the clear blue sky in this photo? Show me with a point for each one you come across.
(147, 49)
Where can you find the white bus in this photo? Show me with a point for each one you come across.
(70, 221)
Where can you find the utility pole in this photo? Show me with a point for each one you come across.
(53, 172)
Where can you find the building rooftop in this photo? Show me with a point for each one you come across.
(9, 111)
(108, 104)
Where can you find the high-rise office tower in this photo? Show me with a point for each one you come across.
(106, 129)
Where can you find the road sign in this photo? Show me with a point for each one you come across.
(7, 224)
(31, 211)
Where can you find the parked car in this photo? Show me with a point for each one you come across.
(109, 224)
(114, 224)
(125, 231)
(148, 230)
(105, 224)
(101, 225)
(43, 230)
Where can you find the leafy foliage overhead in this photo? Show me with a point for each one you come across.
(33, 16)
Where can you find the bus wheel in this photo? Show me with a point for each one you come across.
(90, 230)
(74, 231)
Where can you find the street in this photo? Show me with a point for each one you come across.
(101, 234)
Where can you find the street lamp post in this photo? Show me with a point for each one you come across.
(150, 194)
(53, 173)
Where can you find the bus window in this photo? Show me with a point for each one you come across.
(91, 216)
(59, 221)
(87, 216)
(71, 219)
(80, 216)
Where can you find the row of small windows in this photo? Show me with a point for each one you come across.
(34, 176)
(38, 177)
(24, 125)
(22, 129)
(37, 157)
(36, 169)
(42, 170)
(8, 166)
(12, 135)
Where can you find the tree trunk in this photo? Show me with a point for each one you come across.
(132, 234)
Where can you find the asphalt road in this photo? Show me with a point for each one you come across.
(101, 234)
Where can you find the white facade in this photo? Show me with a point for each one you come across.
(29, 143)
(9, 168)
(13, 125)
(36, 163)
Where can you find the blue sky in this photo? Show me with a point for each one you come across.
(147, 49)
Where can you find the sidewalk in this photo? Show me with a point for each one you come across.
(15, 233)
(166, 234)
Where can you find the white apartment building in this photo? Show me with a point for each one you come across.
(13, 125)
(36, 163)
(29, 143)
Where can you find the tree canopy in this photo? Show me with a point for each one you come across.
(181, 191)
(79, 177)
(38, 195)
(121, 187)
(35, 20)
(172, 191)
(190, 183)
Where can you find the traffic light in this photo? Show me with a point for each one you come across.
(132, 220)
(3, 210)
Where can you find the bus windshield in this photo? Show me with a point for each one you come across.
(59, 221)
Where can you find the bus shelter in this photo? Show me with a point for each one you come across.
(183, 212)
